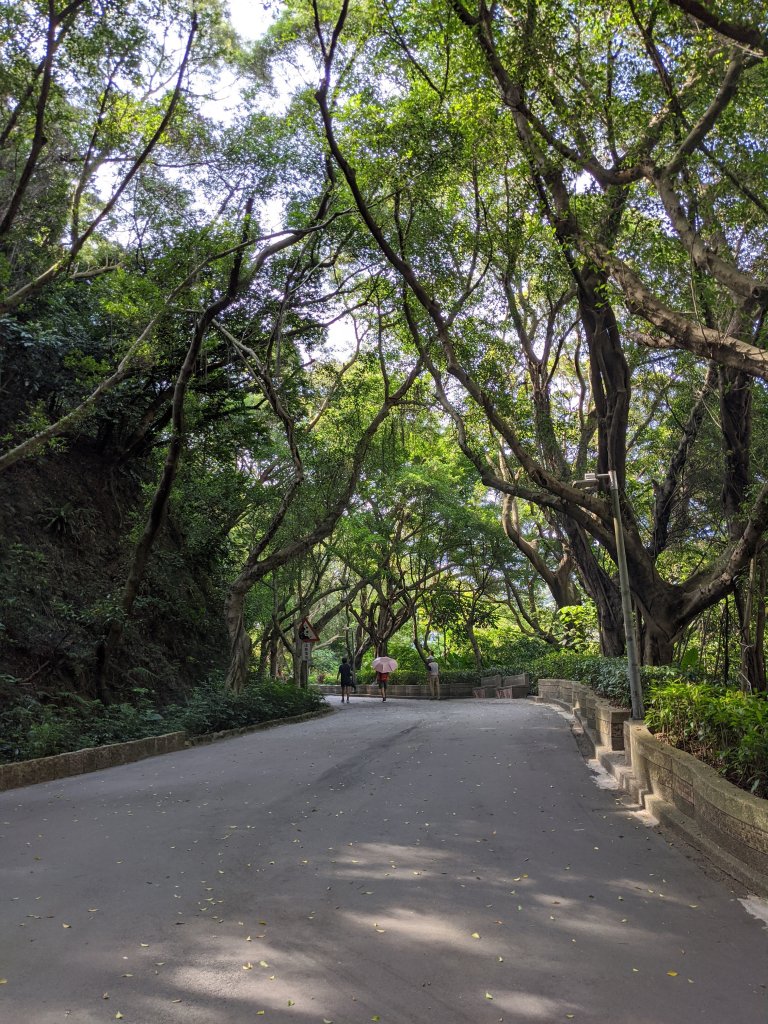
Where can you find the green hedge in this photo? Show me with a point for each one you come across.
(466, 677)
(725, 728)
(33, 729)
(719, 725)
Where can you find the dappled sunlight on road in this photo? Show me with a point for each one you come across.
(418, 868)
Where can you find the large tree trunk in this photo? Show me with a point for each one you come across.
(239, 640)
(475, 646)
(749, 596)
(603, 591)
(657, 642)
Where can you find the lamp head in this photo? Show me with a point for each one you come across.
(589, 483)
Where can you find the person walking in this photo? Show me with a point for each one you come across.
(345, 674)
(433, 678)
(381, 679)
(382, 666)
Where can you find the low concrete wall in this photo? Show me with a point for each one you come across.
(514, 687)
(92, 759)
(596, 714)
(675, 785)
(413, 691)
(725, 823)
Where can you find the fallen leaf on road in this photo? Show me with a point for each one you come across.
(488, 995)
(66, 926)
(248, 966)
(672, 974)
(475, 935)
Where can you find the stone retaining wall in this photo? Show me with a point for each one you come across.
(728, 825)
(414, 691)
(92, 759)
(596, 713)
(503, 686)
(729, 818)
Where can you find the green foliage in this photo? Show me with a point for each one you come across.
(606, 676)
(463, 677)
(212, 708)
(725, 728)
(31, 728)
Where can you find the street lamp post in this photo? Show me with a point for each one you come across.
(353, 648)
(592, 481)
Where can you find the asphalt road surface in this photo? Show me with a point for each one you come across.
(406, 862)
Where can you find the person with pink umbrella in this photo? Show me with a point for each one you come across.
(383, 665)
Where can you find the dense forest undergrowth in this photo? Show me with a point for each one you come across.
(65, 520)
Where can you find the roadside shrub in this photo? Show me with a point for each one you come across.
(31, 728)
(465, 677)
(723, 727)
(212, 708)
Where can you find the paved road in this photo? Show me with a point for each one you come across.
(407, 863)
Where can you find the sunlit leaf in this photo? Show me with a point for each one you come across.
(672, 974)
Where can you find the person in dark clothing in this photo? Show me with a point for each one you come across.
(345, 674)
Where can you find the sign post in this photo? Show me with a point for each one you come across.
(307, 632)
(307, 635)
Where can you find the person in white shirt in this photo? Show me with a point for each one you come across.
(433, 677)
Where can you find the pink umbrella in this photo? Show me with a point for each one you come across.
(384, 663)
